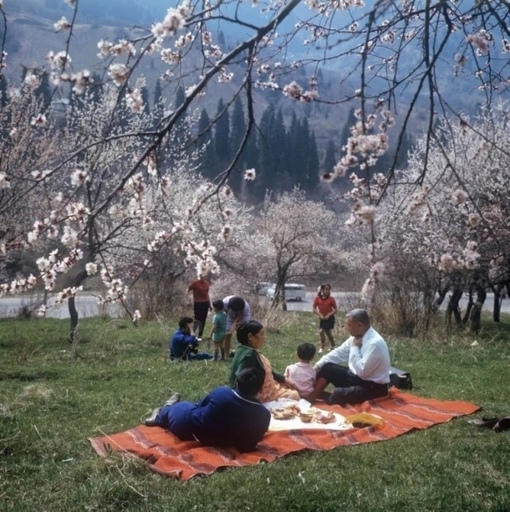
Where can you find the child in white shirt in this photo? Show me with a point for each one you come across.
(302, 374)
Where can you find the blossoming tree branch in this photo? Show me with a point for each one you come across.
(107, 189)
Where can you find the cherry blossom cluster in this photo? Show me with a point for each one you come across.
(173, 21)
(363, 149)
(294, 91)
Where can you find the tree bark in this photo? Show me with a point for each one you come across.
(453, 307)
(73, 314)
(476, 313)
(496, 312)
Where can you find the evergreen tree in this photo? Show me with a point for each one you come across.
(180, 97)
(158, 94)
(313, 166)
(403, 152)
(221, 41)
(346, 131)
(278, 144)
(266, 169)
(208, 161)
(237, 133)
(222, 134)
(304, 148)
(145, 98)
(3, 91)
(180, 135)
(329, 158)
(295, 151)
(43, 90)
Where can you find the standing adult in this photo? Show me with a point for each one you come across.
(367, 373)
(201, 300)
(324, 306)
(238, 311)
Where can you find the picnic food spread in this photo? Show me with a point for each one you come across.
(310, 415)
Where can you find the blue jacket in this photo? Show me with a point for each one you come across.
(181, 345)
(222, 418)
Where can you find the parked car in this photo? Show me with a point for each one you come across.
(293, 291)
(262, 288)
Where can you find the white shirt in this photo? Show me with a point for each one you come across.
(371, 361)
(302, 375)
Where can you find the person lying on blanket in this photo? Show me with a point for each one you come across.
(368, 372)
(225, 417)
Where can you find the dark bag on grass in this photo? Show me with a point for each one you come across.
(400, 379)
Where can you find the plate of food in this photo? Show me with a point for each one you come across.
(291, 415)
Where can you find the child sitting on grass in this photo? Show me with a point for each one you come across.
(218, 330)
(302, 374)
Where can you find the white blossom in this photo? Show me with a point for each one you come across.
(119, 73)
(91, 269)
(250, 174)
(62, 24)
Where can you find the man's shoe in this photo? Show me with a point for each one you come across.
(321, 350)
(151, 420)
(176, 397)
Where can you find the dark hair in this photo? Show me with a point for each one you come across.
(321, 288)
(245, 328)
(236, 304)
(184, 321)
(306, 351)
(249, 381)
(359, 315)
(218, 304)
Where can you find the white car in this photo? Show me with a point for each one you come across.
(293, 291)
(262, 288)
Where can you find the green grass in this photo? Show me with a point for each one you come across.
(53, 396)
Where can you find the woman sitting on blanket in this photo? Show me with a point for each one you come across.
(251, 336)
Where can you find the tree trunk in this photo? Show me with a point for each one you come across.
(73, 314)
(471, 302)
(453, 307)
(496, 312)
(476, 313)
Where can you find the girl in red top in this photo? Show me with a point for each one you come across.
(324, 306)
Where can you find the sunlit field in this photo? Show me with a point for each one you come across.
(53, 396)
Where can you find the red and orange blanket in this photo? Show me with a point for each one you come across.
(401, 412)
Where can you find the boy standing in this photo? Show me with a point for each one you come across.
(218, 330)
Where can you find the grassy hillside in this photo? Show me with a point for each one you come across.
(53, 396)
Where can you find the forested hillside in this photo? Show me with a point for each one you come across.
(294, 143)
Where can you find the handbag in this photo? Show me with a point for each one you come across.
(400, 379)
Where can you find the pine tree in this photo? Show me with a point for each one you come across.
(43, 90)
(313, 166)
(222, 134)
(208, 161)
(158, 94)
(266, 169)
(145, 98)
(180, 136)
(237, 133)
(329, 158)
(346, 131)
(3, 91)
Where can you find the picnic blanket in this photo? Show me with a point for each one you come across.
(165, 454)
